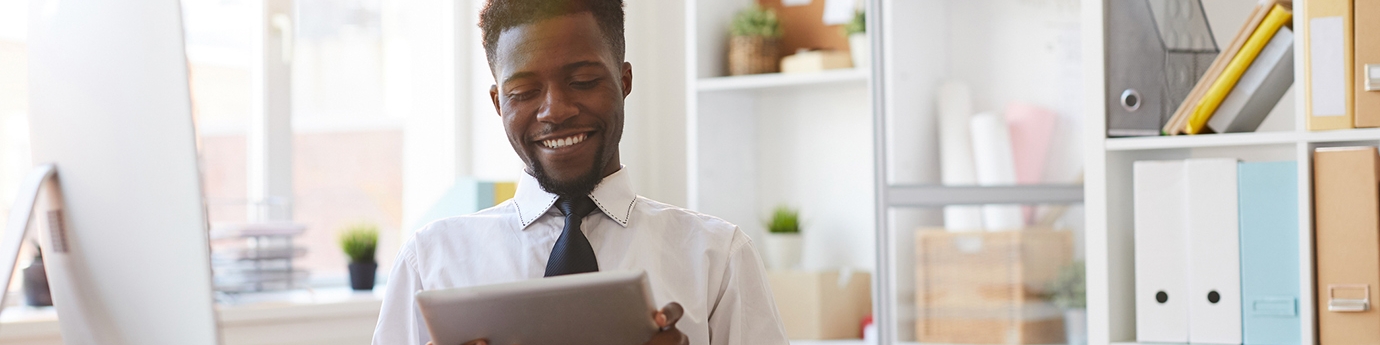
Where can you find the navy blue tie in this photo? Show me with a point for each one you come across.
(572, 253)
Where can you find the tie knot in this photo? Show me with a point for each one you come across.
(575, 206)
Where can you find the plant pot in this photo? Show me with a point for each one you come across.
(860, 49)
(753, 55)
(1076, 326)
(36, 291)
(784, 251)
(362, 275)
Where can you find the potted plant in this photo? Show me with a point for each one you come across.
(784, 241)
(359, 243)
(1069, 292)
(755, 38)
(36, 291)
(858, 46)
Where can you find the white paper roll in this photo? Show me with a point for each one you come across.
(956, 153)
(995, 167)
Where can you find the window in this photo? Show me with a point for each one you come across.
(346, 153)
(14, 128)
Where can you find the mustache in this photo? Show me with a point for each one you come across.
(553, 128)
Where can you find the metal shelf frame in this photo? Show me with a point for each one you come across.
(888, 196)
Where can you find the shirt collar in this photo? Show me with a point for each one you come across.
(613, 195)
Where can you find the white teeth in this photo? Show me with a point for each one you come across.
(563, 142)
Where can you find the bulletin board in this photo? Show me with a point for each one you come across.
(803, 27)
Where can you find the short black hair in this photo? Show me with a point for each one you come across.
(500, 15)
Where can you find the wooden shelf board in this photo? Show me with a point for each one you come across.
(774, 80)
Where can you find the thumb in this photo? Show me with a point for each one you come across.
(671, 313)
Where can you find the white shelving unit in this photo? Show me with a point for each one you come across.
(758, 141)
(778, 80)
(1111, 277)
(855, 149)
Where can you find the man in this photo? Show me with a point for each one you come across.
(561, 82)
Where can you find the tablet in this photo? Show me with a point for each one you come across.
(597, 308)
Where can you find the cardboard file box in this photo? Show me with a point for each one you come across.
(986, 287)
(822, 304)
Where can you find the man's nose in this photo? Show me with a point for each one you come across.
(557, 107)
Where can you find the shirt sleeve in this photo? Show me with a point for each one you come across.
(745, 313)
(399, 320)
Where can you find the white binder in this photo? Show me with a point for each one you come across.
(1214, 272)
(1161, 251)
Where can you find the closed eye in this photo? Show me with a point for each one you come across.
(585, 84)
(522, 96)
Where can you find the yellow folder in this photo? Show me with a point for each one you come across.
(1277, 17)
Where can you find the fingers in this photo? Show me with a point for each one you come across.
(669, 315)
(669, 338)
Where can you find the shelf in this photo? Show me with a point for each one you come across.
(775, 80)
(1342, 135)
(1205, 140)
(938, 196)
(1239, 139)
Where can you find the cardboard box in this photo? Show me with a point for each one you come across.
(815, 61)
(1346, 204)
(822, 304)
(987, 287)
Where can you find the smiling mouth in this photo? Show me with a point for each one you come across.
(566, 141)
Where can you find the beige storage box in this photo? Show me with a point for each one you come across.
(987, 287)
(822, 304)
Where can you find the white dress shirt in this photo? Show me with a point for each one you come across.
(706, 264)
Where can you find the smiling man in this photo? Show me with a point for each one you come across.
(561, 83)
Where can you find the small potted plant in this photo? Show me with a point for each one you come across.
(784, 241)
(359, 243)
(858, 46)
(754, 43)
(1069, 292)
(36, 291)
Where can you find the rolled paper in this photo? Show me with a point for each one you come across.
(995, 167)
(956, 153)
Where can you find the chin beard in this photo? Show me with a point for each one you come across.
(580, 186)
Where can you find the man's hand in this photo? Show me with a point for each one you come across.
(666, 319)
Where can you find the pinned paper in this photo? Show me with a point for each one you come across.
(795, 2)
(838, 12)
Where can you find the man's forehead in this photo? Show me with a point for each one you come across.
(556, 40)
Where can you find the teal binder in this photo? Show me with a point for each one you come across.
(1269, 212)
(466, 196)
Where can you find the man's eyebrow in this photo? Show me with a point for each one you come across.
(567, 68)
(518, 75)
(580, 64)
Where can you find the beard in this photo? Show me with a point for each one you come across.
(580, 186)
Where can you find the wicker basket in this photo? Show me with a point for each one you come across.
(753, 55)
(985, 287)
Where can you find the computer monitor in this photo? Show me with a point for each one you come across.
(128, 258)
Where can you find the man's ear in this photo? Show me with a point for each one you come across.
(493, 96)
(627, 79)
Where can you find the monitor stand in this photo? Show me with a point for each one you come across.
(41, 181)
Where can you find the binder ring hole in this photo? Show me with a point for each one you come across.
(1214, 297)
(1130, 100)
(1161, 297)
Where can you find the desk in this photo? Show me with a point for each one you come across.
(323, 316)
